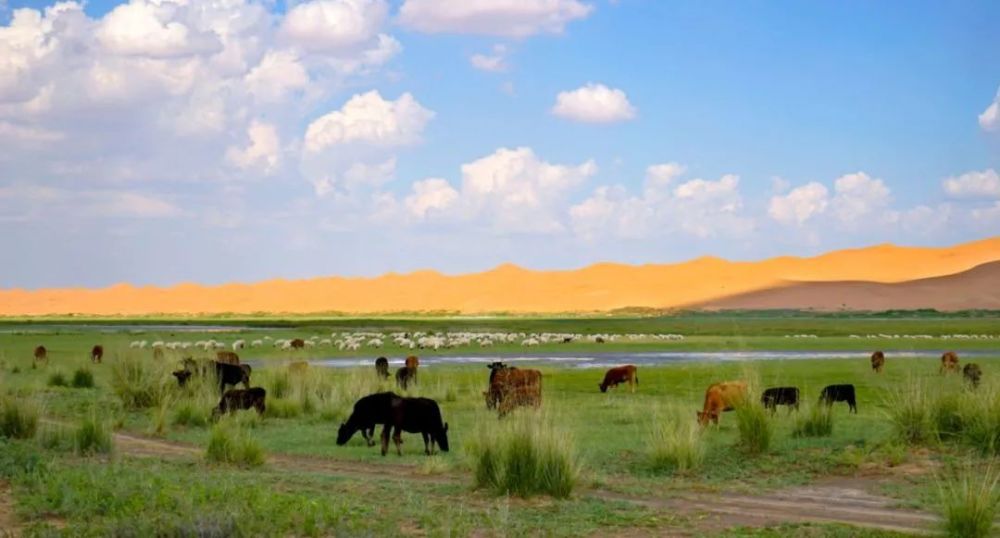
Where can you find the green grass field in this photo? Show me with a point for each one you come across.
(57, 490)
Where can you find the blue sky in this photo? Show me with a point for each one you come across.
(161, 142)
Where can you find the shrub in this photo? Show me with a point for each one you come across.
(946, 415)
(909, 411)
(136, 383)
(189, 414)
(816, 421)
(83, 379)
(18, 460)
(969, 503)
(981, 425)
(229, 443)
(18, 419)
(525, 457)
(754, 426)
(93, 437)
(57, 379)
(676, 445)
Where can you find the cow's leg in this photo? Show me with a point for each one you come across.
(427, 443)
(397, 437)
(385, 439)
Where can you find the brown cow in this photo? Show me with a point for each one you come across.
(412, 361)
(297, 343)
(227, 357)
(96, 354)
(949, 362)
(238, 399)
(513, 387)
(298, 367)
(721, 397)
(620, 374)
(41, 354)
(878, 361)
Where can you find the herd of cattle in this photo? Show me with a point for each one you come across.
(508, 387)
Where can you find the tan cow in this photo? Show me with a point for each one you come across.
(720, 397)
(878, 361)
(227, 357)
(949, 362)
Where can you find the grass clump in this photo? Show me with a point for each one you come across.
(93, 437)
(57, 379)
(83, 379)
(525, 457)
(230, 444)
(676, 445)
(136, 383)
(280, 386)
(981, 425)
(970, 502)
(55, 437)
(191, 415)
(947, 416)
(816, 421)
(909, 411)
(18, 419)
(282, 408)
(754, 426)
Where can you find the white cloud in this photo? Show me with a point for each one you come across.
(594, 103)
(278, 74)
(429, 196)
(661, 175)
(495, 62)
(262, 151)
(509, 18)
(859, 196)
(368, 118)
(334, 25)
(975, 184)
(149, 29)
(26, 202)
(800, 204)
(989, 120)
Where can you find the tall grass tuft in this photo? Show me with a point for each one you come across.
(57, 379)
(816, 421)
(525, 456)
(754, 426)
(137, 383)
(947, 416)
(190, 414)
(229, 443)
(909, 410)
(981, 424)
(93, 437)
(18, 419)
(970, 502)
(676, 445)
(83, 379)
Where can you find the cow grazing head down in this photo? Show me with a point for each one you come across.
(344, 433)
(182, 376)
(442, 438)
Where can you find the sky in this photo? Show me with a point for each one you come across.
(165, 141)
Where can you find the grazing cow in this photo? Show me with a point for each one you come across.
(182, 376)
(238, 399)
(512, 387)
(227, 357)
(382, 367)
(369, 411)
(297, 343)
(567, 339)
(878, 361)
(416, 415)
(720, 397)
(949, 362)
(599, 339)
(839, 393)
(406, 375)
(776, 396)
(96, 354)
(232, 374)
(620, 374)
(41, 354)
(972, 373)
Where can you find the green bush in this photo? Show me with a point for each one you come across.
(969, 503)
(57, 379)
(754, 426)
(137, 383)
(190, 414)
(229, 443)
(816, 421)
(93, 437)
(525, 457)
(18, 419)
(83, 379)
(282, 408)
(18, 459)
(909, 411)
(676, 445)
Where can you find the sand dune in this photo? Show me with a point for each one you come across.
(509, 288)
(977, 288)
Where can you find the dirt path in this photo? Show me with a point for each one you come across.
(845, 501)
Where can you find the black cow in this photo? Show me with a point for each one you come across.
(972, 373)
(237, 399)
(773, 397)
(182, 376)
(232, 374)
(406, 375)
(382, 367)
(368, 412)
(416, 415)
(839, 393)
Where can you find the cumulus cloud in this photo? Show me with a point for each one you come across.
(975, 184)
(430, 195)
(492, 17)
(800, 204)
(594, 103)
(334, 25)
(858, 196)
(369, 118)
(989, 120)
(152, 30)
(496, 61)
(262, 150)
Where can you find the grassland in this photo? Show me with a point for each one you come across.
(310, 486)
